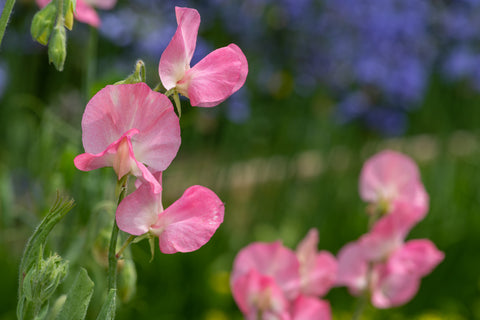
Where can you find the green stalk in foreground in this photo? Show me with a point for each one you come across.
(112, 259)
(7, 11)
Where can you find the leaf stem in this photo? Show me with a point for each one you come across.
(7, 10)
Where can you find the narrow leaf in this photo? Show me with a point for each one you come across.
(78, 298)
(108, 309)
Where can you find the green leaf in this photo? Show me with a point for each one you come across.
(109, 306)
(36, 243)
(78, 298)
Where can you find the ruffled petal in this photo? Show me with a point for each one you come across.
(418, 257)
(106, 158)
(86, 14)
(116, 109)
(175, 60)
(190, 221)
(391, 176)
(352, 268)
(392, 289)
(139, 210)
(215, 77)
(271, 259)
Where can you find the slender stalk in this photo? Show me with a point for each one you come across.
(125, 245)
(112, 259)
(7, 11)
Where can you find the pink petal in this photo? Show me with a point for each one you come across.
(254, 292)
(392, 176)
(270, 259)
(309, 308)
(418, 257)
(175, 60)
(86, 14)
(106, 158)
(391, 289)
(215, 77)
(317, 270)
(116, 109)
(352, 268)
(139, 210)
(190, 221)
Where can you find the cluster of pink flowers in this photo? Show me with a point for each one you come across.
(381, 263)
(135, 130)
(269, 281)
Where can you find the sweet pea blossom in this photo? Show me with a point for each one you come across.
(267, 282)
(390, 177)
(84, 10)
(317, 269)
(212, 80)
(382, 263)
(129, 127)
(185, 226)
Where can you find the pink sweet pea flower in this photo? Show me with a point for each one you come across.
(216, 77)
(185, 226)
(317, 269)
(84, 10)
(390, 177)
(129, 126)
(386, 266)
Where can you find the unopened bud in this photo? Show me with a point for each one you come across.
(57, 48)
(43, 22)
(42, 279)
(69, 10)
(127, 281)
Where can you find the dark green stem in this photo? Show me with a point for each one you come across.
(7, 11)
(112, 259)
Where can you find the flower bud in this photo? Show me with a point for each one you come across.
(42, 279)
(57, 48)
(127, 281)
(69, 9)
(43, 22)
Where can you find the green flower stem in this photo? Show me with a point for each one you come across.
(7, 10)
(112, 259)
(125, 245)
(361, 304)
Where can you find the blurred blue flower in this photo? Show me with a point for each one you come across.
(3, 78)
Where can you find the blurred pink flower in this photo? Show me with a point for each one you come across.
(390, 177)
(318, 270)
(185, 226)
(210, 81)
(129, 126)
(266, 280)
(383, 264)
(84, 10)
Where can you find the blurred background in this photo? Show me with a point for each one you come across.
(331, 83)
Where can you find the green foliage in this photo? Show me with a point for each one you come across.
(78, 298)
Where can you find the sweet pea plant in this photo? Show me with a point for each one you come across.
(135, 130)
(270, 281)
